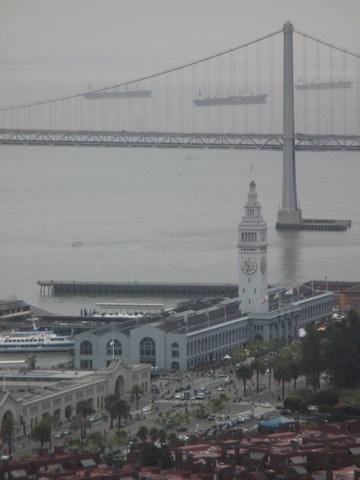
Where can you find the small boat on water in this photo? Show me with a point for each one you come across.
(76, 244)
(35, 341)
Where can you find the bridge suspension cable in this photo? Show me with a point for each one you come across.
(146, 77)
(327, 44)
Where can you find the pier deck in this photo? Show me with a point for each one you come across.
(52, 287)
(316, 224)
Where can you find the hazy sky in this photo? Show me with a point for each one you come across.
(142, 36)
(102, 31)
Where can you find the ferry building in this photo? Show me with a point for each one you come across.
(206, 330)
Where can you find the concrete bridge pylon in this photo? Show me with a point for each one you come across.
(289, 212)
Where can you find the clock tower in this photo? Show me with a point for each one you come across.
(253, 287)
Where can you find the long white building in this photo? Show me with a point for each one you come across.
(27, 397)
(207, 330)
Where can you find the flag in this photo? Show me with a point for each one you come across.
(264, 299)
(276, 296)
(289, 292)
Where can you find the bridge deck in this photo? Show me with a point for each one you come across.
(246, 141)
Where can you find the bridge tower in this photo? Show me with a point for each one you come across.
(252, 247)
(289, 212)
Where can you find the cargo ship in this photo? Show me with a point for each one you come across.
(117, 94)
(323, 85)
(201, 101)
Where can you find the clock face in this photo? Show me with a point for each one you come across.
(263, 265)
(249, 266)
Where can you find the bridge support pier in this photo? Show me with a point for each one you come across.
(289, 212)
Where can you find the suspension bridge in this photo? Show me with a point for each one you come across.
(227, 100)
(231, 99)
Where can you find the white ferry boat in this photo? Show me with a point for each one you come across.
(34, 341)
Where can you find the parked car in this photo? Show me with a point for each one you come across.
(98, 417)
(62, 434)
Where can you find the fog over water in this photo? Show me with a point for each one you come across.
(157, 214)
(165, 216)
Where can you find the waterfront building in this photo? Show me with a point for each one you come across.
(13, 310)
(29, 396)
(205, 331)
(252, 245)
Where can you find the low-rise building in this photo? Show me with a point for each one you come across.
(13, 310)
(28, 397)
(205, 333)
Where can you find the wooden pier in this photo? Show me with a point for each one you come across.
(78, 288)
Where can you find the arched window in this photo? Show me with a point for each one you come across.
(114, 347)
(175, 350)
(175, 366)
(86, 348)
(147, 350)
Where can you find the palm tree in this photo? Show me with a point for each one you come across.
(84, 409)
(122, 410)
(259, 350)
(110, 407)
(295, 361)
(244, 372)
(42, 431)
(117, 407)
(282, 370)
(136, 393)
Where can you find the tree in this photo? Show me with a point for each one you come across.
(150, 455)
(218, 404)
(274, 346)
(117, 408)
(312, 355)
(142, 433)
(110, 407)
(42, 431)
(154, 434)
(120, 438)
(282, 370)
(295, 361)
(136, 393)
(341, 347)
(122, 409)
(7, 432)
(162, 436)
(244, 372)
(96, 441)
(83, 409)
(201, 411)
(258, 350)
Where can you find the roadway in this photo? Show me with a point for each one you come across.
(245, 141)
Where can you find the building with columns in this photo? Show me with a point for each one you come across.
(29, 396)
(204, 331)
